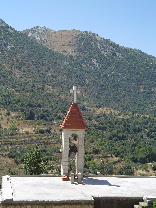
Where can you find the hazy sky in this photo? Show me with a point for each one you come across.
(130, 23)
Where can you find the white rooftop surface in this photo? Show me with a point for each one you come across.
(54, 189)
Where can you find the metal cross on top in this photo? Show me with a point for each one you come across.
(74, 91)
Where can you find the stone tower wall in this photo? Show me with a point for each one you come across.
(66, 133)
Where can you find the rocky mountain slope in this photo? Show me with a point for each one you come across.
(46, 63)
(67, 41)
(61, 41)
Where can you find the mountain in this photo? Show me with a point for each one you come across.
(39, 66)
(120, 74)
(62, 41)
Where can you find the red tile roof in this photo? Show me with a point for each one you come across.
(73, 119)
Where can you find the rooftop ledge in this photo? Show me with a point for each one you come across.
(48, 188)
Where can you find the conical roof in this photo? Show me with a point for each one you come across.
(73, 119)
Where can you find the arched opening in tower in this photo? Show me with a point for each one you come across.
(73, 151)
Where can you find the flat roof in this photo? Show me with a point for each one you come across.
(46, 188)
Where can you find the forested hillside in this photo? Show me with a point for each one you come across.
(109, 75)
(38, 67)
(112, 75)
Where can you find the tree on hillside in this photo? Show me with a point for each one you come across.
(34, 164)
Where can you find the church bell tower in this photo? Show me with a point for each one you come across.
(73, 123)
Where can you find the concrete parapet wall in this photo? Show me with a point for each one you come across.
(116, 202)
(98, 202)
(62, 204)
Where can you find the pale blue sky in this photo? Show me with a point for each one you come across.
(129, 23)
